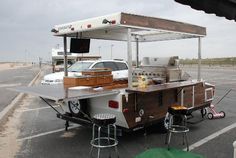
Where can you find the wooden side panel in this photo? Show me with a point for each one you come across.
(101, 80)
(85, 81)
(157, 23)
(153, 105)
(199, 95)
(129, 109)
(97, 72)
(188, 96)
(88, 81)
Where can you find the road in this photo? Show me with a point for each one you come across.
(14, 77)
(34, 130)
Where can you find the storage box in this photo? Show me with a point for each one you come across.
(106, 79)
(70, 81)
(97, 72)
(88, 80)
(80, 81)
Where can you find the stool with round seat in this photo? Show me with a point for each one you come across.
(104, 122)
(180, 127)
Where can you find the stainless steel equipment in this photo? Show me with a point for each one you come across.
(159, 70)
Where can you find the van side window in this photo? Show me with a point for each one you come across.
(122, 66)
(98, 65)
(110, 65)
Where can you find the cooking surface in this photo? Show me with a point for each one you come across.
(160, 87)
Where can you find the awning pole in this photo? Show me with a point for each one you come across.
(65, 56)
(129, 52)
(137, 52)
(199, 59)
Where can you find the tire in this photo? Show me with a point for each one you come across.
(78, 108)
(167, 121)
(223, 114)
(210, 116)
(204, 112)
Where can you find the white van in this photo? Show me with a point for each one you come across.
(119, 70)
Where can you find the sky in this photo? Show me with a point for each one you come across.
(25, 28)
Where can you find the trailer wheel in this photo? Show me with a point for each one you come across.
(77, 108)
(222, 113)
(203, 112)
(210, 116)
(167, 121)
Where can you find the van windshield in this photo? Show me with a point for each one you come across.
(79, 66)
(61, 62)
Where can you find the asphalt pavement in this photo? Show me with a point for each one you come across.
(41, 135)
(14, 77)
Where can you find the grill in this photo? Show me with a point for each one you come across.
(159, 70)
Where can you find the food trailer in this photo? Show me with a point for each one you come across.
(135, 105)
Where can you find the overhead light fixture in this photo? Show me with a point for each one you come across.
(105, 21)
(54, 30)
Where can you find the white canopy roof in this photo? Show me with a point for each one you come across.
(143, 28)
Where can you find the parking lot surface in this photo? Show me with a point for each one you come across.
(33, 130)
(19, 76)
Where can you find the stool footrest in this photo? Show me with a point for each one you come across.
(106, 142)
(178, 129)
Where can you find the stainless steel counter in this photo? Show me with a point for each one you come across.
(59, 92)
(161, 87)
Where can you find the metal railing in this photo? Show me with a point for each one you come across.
(234, 144)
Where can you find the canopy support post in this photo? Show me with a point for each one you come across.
(129, 52)
(199, 59)
(65, 56)
(137, 52)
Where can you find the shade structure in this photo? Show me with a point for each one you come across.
(143, 28)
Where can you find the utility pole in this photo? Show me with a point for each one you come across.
(111, 50)
(25, 56)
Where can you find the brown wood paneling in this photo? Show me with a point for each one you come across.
(101, 80)
(155, 106)
(130, 114)
(163, 24)
(88, 80)
(188, 96)
(97, 72)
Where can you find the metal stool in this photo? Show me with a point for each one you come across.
(177, 128)
(104, 122)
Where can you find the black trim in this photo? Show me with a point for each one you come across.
(225, 8)
(69, 117)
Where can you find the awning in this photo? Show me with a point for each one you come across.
(223, 8)
(143, 28)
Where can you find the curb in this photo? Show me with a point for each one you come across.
(10, 107)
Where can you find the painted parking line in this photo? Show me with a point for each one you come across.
(46, 133)
(211, 137)
(35, 109)
(9, 85)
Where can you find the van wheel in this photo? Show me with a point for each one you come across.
(77, 108)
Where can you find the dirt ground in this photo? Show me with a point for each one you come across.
(9, 144)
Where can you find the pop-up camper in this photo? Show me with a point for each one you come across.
(134, 103)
